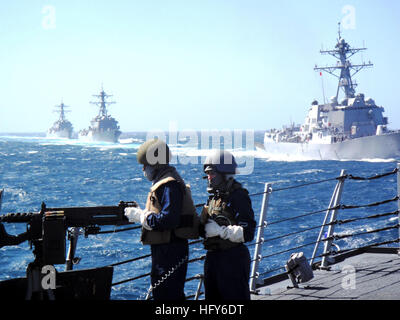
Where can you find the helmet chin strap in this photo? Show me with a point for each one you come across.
(150, 172)
(221, 187)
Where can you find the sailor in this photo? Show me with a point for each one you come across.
(161, 221)
(228, 221)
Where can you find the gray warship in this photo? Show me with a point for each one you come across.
(352, 129)
(103, 127)
(62, 128)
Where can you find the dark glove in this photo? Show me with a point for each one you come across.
(10, 240)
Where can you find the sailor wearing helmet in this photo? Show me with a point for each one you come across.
(228, 221)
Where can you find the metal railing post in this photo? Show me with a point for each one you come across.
(201, 279)
(398, 201)
(259, 240)
(331, 227)
(321, 231)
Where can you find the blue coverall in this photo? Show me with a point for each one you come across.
(227, 272)
(167, 256)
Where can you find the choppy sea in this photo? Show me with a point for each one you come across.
(65, 173)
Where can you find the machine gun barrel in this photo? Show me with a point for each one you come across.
(47, 228)
(76, 216)
(18, 217)
(88, 216)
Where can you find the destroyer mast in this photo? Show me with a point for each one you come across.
(343, 52)
(103, 126)
(62, 128)
(102, 103)
(352, 128)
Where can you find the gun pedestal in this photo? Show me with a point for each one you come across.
(47, 233)
(35, 290)
(73, 235)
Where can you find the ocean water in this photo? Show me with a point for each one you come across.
(72, 173)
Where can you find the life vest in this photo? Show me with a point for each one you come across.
(189, 220)
(217, 209)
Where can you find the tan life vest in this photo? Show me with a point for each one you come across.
(189, 220)
(218, 210)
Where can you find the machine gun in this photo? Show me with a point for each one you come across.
(47, 228)
(47, 233)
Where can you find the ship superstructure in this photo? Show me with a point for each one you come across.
(354, 128)
(103, 127)
(62, 128)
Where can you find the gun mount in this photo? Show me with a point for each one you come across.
(46, 231)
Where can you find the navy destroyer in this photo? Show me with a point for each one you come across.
(62, 128)
(352, 129)
(103, 127)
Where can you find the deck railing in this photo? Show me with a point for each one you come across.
(327, 238)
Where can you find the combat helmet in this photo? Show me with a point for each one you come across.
(154, 153)
(221, 161)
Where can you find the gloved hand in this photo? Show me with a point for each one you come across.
(212, 229)
(231, 233)
(137, 215)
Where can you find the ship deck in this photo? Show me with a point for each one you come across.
(369, 274)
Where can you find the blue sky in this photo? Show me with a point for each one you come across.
(221, 64)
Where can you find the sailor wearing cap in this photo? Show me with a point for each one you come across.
(160, 221)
